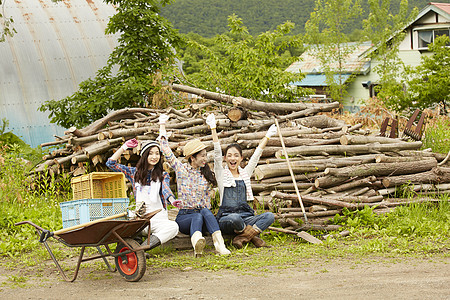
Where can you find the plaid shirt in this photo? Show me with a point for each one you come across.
(194, 190)
(130, 172)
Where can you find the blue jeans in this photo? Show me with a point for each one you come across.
(238, 221)
(192, 220)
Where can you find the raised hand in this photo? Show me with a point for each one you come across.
(130, 144)
(211, 121)
(272, 130)
(163, 118)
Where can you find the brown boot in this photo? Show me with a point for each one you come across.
(245, 237)
(258, 242)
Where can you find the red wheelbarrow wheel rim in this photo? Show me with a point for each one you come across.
(130, 267)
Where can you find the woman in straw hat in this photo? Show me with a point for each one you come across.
(151, 185)
(235, 216)
(194, 182)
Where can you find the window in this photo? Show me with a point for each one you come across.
(427, 37)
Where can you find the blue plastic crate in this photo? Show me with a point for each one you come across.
(81, 211)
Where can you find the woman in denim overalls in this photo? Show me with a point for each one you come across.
(235, 215)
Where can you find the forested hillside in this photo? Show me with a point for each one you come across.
(209, 18)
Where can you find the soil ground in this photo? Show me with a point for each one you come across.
(374, 278)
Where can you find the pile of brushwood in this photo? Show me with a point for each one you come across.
(332, 165)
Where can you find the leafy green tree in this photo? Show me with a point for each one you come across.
(146, 46)
(429, 83)
(326, 31)
(385, 30)
(247, 66)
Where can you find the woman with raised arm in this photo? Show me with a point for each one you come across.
(151, 185)
(235, 216)
(194, 183)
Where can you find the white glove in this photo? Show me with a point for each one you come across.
(272, 130)
(211, 121)
(131, 215)
(163, 118)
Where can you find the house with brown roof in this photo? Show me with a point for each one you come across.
(432, 21)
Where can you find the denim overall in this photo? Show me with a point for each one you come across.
(235, 213)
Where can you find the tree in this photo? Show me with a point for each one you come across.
(429, 83)
(326, 31)
(385, 30)
(247, 66)
(146, 46)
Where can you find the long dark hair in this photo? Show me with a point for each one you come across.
(206, 171)
(142, 168)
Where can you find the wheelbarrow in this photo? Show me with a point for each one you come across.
(129, 255)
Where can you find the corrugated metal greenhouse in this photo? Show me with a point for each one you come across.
(56, 47)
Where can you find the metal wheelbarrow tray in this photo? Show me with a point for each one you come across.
(129, 255)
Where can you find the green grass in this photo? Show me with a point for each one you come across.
(437, 135)
(416, 230)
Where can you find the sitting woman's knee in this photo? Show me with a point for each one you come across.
(197, 218)
(270, 216)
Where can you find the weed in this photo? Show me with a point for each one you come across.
(437, 134)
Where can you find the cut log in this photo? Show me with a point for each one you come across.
(125, 132)
(322, 107)
(321, 121)
(74, 141)
(259, 187)
(74, 131)
(367, 139)
(436, 175)
(355, 183)
(302, 166)
(382, 158)
(299, 177)
(236, 113)
(383, 169)
(54, 143)
(112, 116)
(101, 146)
(310, 215)
(329, 181)
(244, 102)
(329, 202)
(350, 149)
(185, 124)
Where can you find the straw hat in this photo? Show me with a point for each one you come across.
(193, 147)
(147, 145)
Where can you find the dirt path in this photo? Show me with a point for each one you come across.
(409, 278)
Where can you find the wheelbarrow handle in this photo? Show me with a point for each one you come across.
(44, 233)
(29, 223)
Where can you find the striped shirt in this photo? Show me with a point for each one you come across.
(194, 190)
(130, 173)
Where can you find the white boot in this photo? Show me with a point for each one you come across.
(219, 243)
(198, 242)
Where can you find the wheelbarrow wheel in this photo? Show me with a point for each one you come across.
(132, 265)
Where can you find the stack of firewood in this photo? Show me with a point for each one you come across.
(335, 165)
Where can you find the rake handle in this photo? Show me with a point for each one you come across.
(290, 170)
